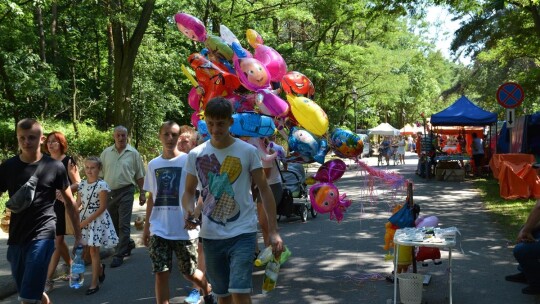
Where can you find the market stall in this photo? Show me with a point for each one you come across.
(463, 117)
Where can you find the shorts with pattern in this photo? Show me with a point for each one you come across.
(161, 251)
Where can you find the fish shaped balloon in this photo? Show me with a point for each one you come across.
(308, 114)
(297, 84)
(324, 195)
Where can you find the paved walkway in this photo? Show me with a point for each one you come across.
(343, 263)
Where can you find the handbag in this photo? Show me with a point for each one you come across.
(69, 225)
(404, 217)
(23, 198)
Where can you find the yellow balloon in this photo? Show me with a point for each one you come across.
(308, 114)
(189, 76)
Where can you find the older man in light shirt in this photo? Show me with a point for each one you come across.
(123, 169)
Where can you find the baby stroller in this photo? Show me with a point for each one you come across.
(295, 196)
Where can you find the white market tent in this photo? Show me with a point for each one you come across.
(409, 129)
(384, 129)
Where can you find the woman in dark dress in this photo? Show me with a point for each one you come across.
(56, 145)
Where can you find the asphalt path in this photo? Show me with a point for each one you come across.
(344, 262)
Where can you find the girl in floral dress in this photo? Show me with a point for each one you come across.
(96, 224)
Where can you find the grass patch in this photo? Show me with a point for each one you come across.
(508, 214)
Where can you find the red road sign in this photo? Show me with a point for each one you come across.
(510, 95)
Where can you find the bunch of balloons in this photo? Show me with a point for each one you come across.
(254, 83)
(267, 99)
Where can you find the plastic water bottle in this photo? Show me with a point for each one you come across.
(264, 257)
(270, 276)
(76, 278)
(285, 255)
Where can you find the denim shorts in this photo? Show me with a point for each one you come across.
(161, 251)
(229, 264)
(29, 263)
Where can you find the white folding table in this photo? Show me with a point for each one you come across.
(408, 239)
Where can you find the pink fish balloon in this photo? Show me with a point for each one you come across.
(325, 198)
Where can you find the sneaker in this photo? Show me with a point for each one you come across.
(209, 299)
(517, 278)
(49, 285)
(531, 290)
(194, 297)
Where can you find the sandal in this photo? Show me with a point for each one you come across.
(49, 285)
(90, 291)
(102, 275)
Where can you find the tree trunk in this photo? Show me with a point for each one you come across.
(536, 18)
(125, 53)
(41, 33)
(108, 86)
(54, 27)
(74, 119)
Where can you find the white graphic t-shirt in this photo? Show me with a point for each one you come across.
(225, 179)
(166, 179)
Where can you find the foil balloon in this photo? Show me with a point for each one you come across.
(195, 118)
(271, 104)
(216, 45)
(202, 129)
(194, 100)
(296, 83)
(190, 26)
(330, 171)
(304, 143)
(259, 144)
(324, 195)
(269, 57)
(255, 77)
(252, 125)
(252, 73)
(227, 35)
(325, 198)
(346, 144)
(281, 154)
(308, 114)
(427, 221)
(214, 81)
(243, 103)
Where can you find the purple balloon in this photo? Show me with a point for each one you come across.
(331, 171)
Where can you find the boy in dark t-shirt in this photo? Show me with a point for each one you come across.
(32, 231)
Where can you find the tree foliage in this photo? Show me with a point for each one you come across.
(118, 62)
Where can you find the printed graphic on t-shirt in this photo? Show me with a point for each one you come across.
(218, 194)
(168, 184)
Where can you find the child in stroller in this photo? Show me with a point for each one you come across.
(295, 187)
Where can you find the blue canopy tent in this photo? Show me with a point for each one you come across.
(463, 113)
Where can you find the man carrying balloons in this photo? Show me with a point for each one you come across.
(224, 167)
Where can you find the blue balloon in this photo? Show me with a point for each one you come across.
(253, 125)
(307, 145)
(202, 128)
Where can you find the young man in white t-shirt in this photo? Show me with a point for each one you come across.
(164, 231)
(224, 166)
